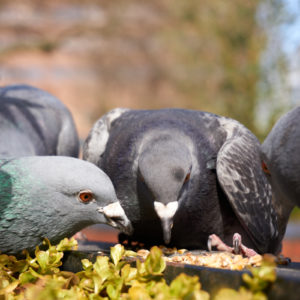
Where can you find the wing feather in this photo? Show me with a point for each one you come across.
(241, 177)
(95, 144)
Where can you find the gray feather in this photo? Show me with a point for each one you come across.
(280, 151)
(33, 122)
(241, 177)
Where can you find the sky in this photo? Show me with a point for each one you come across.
(285, 36)
(291, 47)
(291, 31)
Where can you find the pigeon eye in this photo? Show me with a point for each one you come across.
(187, 178)
(86, 196)
(265, 168)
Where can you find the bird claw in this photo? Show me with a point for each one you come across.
(238, 247)
(215, 241)
(236, 241)
(209, 246)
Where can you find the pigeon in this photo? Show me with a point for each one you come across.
(33, 122)
(281, 163)
(53, 197)
(186, 178)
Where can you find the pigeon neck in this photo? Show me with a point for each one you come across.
(283, 208)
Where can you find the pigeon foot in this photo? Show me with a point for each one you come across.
(215, 241)
(238, 247)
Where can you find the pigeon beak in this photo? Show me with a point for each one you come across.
(167, 225)
(116, 217)
(166, 214)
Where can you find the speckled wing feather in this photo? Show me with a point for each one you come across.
(95, 144)
(241, 177)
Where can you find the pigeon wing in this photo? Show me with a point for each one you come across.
(95, 144)
(241, 177)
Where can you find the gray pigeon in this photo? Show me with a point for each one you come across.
(281, 162)
(185, 176)
(33, 122)
(53, 197)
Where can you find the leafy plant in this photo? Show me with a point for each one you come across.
(260, 280)
(113, 278)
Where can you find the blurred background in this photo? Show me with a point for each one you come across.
(237, 58)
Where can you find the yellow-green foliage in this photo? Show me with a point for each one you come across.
(40, 278)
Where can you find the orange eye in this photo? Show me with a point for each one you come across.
(265, 168)
(187, 177)
(86, 196)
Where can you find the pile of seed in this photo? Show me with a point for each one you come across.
(224, 260)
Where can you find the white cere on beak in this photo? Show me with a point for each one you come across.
(166, 211)
(113, 210)
(166, 214)
(116, 217)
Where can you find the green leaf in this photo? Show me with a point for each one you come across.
(96, 297)
(9, 288)
(97, 284)
(73, 293)
(159, 290)
(154, 262)
(259, 296)
(67, 245)
(261, 277)
(227, 294)
(101, 267)
(129, 253)
(116, 253)
(34, 273)
(4, 260)
(267, 272)
(114, 289)
(49, 261)
(42, 259)
(86, 264)
(186, 287)
(86, 283)
(128, 274)
(46, 288)
(5, 281)
(141, 269)
(27, 277)
(31, 261)
(138, 293)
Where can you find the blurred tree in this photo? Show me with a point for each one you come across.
(274, 97)
(216, 55)
(192, 54)
(213, 50)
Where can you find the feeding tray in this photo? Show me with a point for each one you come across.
(287, 285)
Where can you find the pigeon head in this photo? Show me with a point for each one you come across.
(280, 159)
(164, 168)
(86, 188)
(54, 197)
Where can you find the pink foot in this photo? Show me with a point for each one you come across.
(238, 247)
(215, 241)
